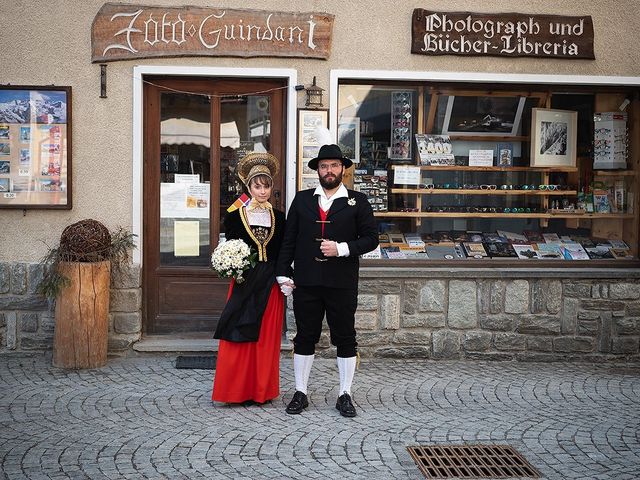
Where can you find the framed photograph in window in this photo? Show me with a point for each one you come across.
(309, 143)
(349, 137)
(35, 147)
(483, 115)
(553, 137)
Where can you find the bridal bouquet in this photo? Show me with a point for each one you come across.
(232, 258)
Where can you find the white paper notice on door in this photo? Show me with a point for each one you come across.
(185, 178)
(186, 238)
(184, 200)
(197, 200)
(173, 200)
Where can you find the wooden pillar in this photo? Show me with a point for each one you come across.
(82, 316)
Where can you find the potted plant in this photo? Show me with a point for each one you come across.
(77, 277)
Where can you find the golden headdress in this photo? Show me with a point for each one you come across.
(257, 163)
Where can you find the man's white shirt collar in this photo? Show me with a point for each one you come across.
(340, 193)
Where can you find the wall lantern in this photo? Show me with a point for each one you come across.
(314, 95)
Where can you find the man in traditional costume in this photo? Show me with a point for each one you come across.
(328, 228)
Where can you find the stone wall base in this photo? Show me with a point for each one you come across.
(484, 315)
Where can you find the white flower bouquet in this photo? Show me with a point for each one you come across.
(232, 258)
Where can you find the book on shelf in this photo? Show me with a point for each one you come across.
(428, 237)
(512, 236)
(414, 253)
(460, 236)
(551, 237)
(525, 251)
(393, 252)
(601, 203)
(448, 251)
(475, 236)
(533, 236)
(474, 249)
(491, 237)
(443, 236)
(434, 149)
(621, 253)
(586, 242)
(504, 155)
(500, 250)
(373, 254)
(574, 251)
(414, 240)
(396, 238)
(618, 243)
(549, 251)
(599, 253)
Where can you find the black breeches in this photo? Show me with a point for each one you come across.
(310, 305)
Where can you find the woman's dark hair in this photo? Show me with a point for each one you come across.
(265, 180)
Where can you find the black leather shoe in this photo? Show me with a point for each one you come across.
(345, 406)
(298, 403)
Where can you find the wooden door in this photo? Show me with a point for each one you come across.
(195, 131)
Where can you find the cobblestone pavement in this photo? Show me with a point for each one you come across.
(139, 417)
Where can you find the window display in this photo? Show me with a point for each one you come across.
(493, 175)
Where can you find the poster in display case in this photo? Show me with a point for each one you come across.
(35, 147)
(309, 144)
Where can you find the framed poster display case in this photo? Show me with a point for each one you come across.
(35, 147)
(309, 144)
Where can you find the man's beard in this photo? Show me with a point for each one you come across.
(332, 183)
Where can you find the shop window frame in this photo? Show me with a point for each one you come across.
(544, 95)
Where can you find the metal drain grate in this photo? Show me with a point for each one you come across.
(471, 461)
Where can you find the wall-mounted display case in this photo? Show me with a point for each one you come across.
(35, 147)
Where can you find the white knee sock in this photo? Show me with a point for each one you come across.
(346, 367)
(302, 369)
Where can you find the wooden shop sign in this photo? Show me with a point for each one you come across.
(125, 32)
(503, 34)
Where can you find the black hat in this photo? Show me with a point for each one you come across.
(330, 152)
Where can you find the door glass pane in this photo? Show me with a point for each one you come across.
(185, 198)
(245, 127)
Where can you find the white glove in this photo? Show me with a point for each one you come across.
(286, 285)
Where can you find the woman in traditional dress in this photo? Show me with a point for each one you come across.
(250, 327)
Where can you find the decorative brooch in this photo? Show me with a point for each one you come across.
(351, 201)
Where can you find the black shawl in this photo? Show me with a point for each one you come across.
(242, 315)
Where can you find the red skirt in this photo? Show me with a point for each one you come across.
(251, 370)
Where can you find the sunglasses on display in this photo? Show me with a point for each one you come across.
(401, 96)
